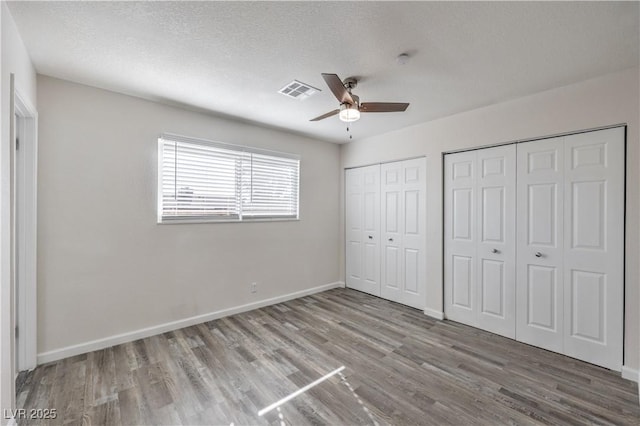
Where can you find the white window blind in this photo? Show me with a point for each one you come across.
(270, 186)
(202, 181)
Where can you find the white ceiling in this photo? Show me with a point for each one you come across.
(231, 58)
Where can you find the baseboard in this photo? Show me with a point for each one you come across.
(117, 339)
(629, 373)
(439, 315)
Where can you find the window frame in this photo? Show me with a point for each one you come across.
(168, 220)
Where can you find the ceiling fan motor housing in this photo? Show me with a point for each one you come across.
(350, 83)
(356, 100)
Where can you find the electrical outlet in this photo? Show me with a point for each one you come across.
(254, 287)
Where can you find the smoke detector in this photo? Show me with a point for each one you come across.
(402, 58)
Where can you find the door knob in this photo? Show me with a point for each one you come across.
(371, 237)
(538, 254)
(495, 251)
(391, 239)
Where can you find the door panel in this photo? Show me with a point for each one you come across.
(403, 232)
(542, 199)
(594, 246)
(354, 265)
(369, 214)
(493, 215)
(493, 288)
(542, 288)
(412, 271)
(391, 270)
(462, 214)
(362, 192)
(370, 263)
(391, 207)
(462, 290)
(496, 245)
(411, 212)
(371, 231)
(413, 228)
(460, 237)
(539, 295)
(353, 186)
(370, 252)
(587, 215)
(588, 291)
(463, 166)
(392, 218)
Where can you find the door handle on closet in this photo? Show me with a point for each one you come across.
(538, 254)
(391, 240)
(371, 237)
(495, 251)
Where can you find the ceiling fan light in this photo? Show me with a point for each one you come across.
(349, 113)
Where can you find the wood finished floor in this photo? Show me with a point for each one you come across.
(403, 367)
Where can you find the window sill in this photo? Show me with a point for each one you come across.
(201, 221)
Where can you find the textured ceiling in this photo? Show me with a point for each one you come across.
(232, 57)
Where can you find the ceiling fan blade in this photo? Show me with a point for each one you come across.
(338, 89)
(383, 106)
(323, 116)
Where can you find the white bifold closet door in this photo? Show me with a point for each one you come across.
(571, 245)
(559, 204)
(480, 238)
(362, 193)
(540, 243)
(386, 230)
(403, 222)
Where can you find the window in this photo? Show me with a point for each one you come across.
(209, 181)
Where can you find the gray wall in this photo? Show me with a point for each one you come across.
(105, 267)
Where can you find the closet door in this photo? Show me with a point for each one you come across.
(480, 247)
(539, 291)
(403, 219)
(391, 220)
(496, 239)
(414, 224)
(552, 262)
(594, 246)
(460, 237)
(362, 193)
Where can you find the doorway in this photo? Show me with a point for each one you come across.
(24, 211)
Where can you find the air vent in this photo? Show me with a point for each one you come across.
(298, 90)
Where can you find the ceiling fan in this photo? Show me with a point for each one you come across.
(350, 106)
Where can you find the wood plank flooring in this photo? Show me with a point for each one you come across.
(401, 368)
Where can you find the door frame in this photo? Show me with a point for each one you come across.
(24, 226)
